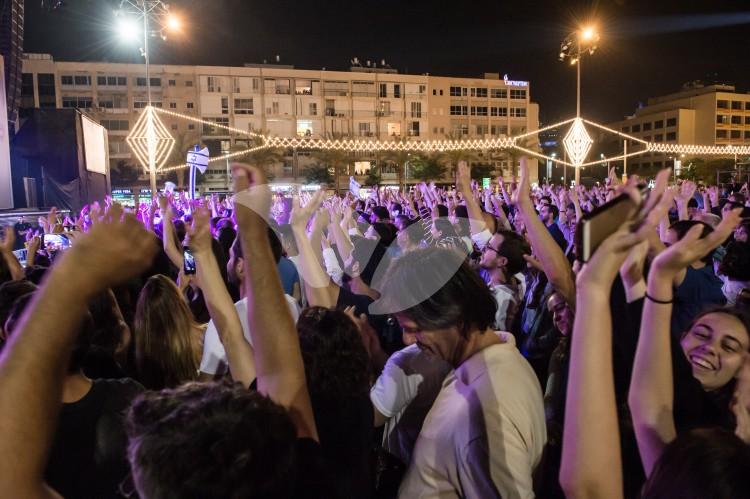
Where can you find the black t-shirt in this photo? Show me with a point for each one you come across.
(88, 458)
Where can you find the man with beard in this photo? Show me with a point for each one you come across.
(502, 258)
(214, 360)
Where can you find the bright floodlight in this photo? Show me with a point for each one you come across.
(588, 34)
(174, 23)
(127, 28)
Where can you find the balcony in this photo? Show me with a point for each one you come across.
(336, 114)
(335, 92)
(363, 94)
(283, 91)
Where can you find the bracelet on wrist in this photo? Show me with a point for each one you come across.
(659, 302)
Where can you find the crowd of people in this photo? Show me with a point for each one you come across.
(436, 343)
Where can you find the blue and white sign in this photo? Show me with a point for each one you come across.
(198, 158)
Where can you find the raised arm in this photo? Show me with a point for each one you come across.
(168, 234)
(319, 289)
(219, 303)
(550, 255)
(6, 249)
(34, 361)
(651, 389)
(463, 182)
(591, 463)
(278, 359)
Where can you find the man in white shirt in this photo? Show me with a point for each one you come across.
(214, 359)
(502, 258)
(485, 433)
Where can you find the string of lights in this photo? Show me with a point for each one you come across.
(577, 142)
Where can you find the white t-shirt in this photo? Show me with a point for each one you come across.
(214, 360)
(404, 393)
(485, 433)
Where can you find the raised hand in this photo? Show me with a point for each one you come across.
(301, 215)
(199, 233)
(251, 190)
(521, 194)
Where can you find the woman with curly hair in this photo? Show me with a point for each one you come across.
(337, 372)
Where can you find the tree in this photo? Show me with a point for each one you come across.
(334, 158)
(399, 158)
(702, 170)
(429, 168)
(124, 173)
(482, 170)
(373, 178)
(513, 155)
(317, 174)
(262, 158)
(451, 158)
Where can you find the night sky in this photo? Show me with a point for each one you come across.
(648, 48)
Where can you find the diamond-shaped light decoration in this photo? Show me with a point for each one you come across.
(577, 142)
(150, 135)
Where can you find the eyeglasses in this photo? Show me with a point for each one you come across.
(488, 247)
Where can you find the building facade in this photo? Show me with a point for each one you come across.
(363, 103)
(714, 115)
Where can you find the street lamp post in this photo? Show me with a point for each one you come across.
(574, 47)
(165, 21)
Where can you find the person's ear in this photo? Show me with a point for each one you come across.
(239, 268)
(502, 261)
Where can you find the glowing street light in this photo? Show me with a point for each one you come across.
(156, 14)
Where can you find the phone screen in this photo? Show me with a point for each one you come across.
(56, 242)
(189, 261)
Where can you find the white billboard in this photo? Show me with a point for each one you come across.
(94, 146)
(6, 188)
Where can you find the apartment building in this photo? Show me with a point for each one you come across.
(366, 103)
(705, 115)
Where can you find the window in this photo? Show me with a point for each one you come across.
(313, 109)
(397, 91)
(672, 122)
(636, 128)
(101, 80)
(140, 81)
(479, 110)
(172, 105)
(517, 94)
(647, 138)
(457, 91)
(434, 92)
(671, 136)
(735, 134)
(243, 106)
(172, 83)
(191, 126)
(115, 125)
(422, 89)
(304, 128)
(274, 108)
(518, 112)
(414, 129)
(416, 109)
(113, 101)
(747, 120)
(394, 129)
(214, 130)
(81, 80)
(79, 101)
(479, 92)
(501, 111)
(364, 130)
(747, 134)
(747, 106)
(459, 110)
(722, 119)
(119, 147)
(626, 129)
(156, 82)
(174, 126)
(140, 104)
(112, 81)
(658, 124)
(722, 104)
(441, 93)
(225, 105)
(214, 84)
(66, 80)
(498, 130)
(482, 130)
(737, 105)
(190, 105)
(189, 83)
(499, 93)
(721, 134)
(646, 127)
(461, 130)
(657, 138)
(385, 108)
(383, 91)
(736, 120)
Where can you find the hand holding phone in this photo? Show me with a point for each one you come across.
(188, 261)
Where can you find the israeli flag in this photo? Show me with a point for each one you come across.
(198, 159)
(354, 186)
